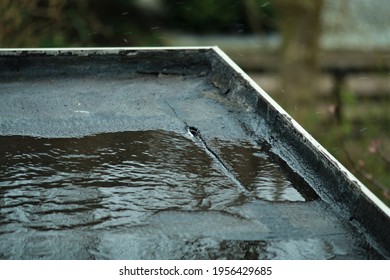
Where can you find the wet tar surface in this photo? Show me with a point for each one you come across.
(149, 167)
(156, 194)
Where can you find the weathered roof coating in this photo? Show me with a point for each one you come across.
(57, 93)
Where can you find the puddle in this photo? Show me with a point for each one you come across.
(150, 194)
(107, 180)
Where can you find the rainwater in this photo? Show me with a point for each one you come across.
(143, 195)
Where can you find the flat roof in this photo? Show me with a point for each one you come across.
(278, 192)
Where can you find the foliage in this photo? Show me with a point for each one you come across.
(213, 16)
(68, 23)
(38, 23)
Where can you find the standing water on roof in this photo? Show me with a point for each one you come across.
(150, 194)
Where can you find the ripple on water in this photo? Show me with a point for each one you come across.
(116, 182)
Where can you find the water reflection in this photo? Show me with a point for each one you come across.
(257, 172)
(134, 195)
(108, 180)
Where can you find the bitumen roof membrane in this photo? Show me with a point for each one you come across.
(166, 154)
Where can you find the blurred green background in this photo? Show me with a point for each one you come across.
(327, 62)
